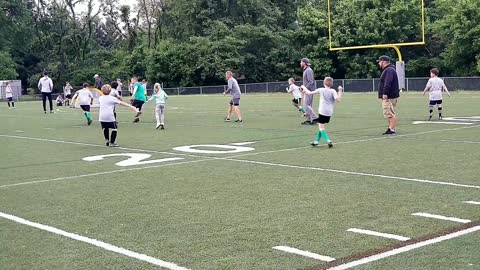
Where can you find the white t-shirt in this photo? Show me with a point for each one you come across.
(328, 98)
(436, 87)
(9, 91)
(114, 93)
(84, 96)
(295, 90)
(67, 90)
(107, 105)
(119, 87)
(45, 85)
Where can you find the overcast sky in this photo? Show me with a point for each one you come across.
(80, 8)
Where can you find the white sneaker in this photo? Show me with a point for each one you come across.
(157, 126)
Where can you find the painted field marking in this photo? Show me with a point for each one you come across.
(242, 143)
(100, 173)
(19, 131)
(454, 219)
(94, 242)
(472, 202)
(374, 233)
(305, 253)
(404, 249)
(441, 122)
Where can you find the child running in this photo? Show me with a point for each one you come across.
(85, 99)
(297, 95)
(9, 95)
(160, 98)
(328, 97)
(106, 116)
(435, 85)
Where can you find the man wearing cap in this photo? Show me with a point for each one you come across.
(388, 92)
(309, 83)
(98, 81)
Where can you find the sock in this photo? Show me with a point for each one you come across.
(325, 136)
(440, 112)
(431, 110)
(114, 136)
(302, 110)
(88, 115)
(13, 104)
(319, 136)
(8, 104)
(106, 134)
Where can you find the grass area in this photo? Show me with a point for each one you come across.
(227, 210)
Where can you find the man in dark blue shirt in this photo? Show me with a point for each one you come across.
(388, 92)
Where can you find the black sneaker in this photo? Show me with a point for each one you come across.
(315, 143)
(429, 118)
(136, 120)
(330, 144)
(238, 121)
(45, 112)
(307, 123)
(107, 143)
(389, 132)
(89, 122)
(227, 119)
(162, 126)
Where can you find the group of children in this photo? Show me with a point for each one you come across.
(328, 98)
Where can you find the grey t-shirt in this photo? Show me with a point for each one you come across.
(436, 87)
(233, 88)
(328, 98)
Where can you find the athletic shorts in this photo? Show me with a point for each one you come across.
(322, 119)
(138, 104)
(9, 99)
(388, 106)
(297, 101)
(68, 96)
(85, 108)
(235, 102)
(435, 102)
(112, 125)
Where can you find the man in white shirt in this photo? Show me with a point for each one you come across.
(45, 85)
(85, 99)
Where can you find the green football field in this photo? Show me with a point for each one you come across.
(206, 194)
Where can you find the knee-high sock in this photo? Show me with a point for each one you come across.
(13, 104)
(430, 108)
(440, 111)
(88, 115)
(325, 136)
(114, 136)
(319, 136)
(8, 104)
(106, 134)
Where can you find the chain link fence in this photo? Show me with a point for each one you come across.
(349, 85)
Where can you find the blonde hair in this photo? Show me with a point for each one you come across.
(157, 87)
(106, 88)
(291, 80)
(328, 81)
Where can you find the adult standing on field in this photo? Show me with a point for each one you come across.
(388, 92)
(234, 104)
(98, 81)
(45, 85)
(309, 83)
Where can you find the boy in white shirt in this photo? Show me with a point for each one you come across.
(435, 85)
(9, 95)
(328, 98)
(297, 95)
(106, 115)
(45, 85)
(85, 99)
(67, 92)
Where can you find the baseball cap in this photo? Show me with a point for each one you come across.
(306, 61)
(384, 58)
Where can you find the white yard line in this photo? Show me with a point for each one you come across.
(374, 233)
(232, 158)
(404, 249)
(455, 141)
(100, 173)
(441, 122)
(472, 202)
(94, 242)
(454, 219)
(305, 253)
(242, 143)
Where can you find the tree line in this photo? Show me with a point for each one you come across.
(193, 42)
